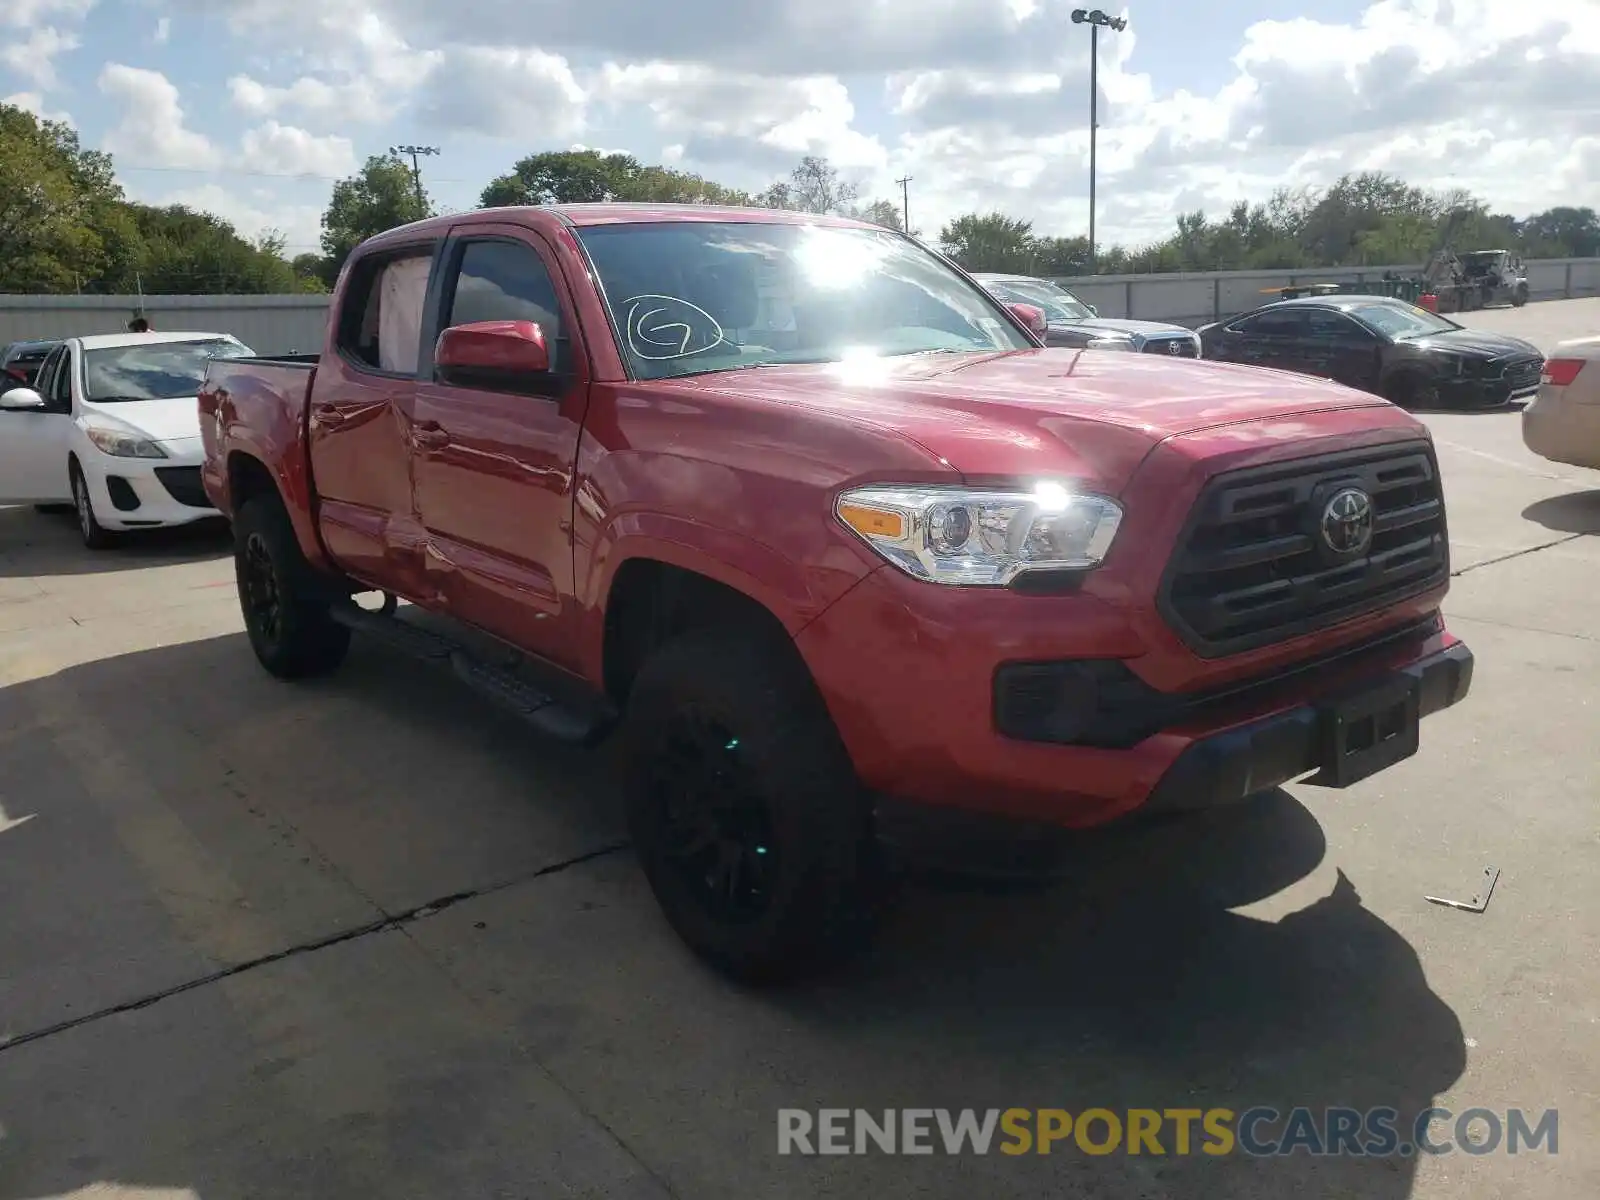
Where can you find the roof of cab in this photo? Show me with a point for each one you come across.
(615, 213)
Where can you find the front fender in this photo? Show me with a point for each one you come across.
(794, 592)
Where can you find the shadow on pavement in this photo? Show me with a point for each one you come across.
(225, 812)
(47, 543)
(1575, 512)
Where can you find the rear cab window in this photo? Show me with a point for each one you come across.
(381, 320)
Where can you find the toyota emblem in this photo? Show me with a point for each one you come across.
(1347, 522)
(1174, 348)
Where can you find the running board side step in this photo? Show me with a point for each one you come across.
(533, 705)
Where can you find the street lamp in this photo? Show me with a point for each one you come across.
(1094, 19)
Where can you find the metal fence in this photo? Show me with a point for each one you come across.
(294, 324)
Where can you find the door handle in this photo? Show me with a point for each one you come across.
(429, 435)
(327, 416)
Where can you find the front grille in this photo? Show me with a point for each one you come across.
(183, 485)
(1177, 347)
(1523, 372)
(1253, 567)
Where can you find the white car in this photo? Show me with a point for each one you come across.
(112, 427)
(1563, 422)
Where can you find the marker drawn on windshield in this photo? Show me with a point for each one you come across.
(662, 328)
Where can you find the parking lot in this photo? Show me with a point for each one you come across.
(368, 938)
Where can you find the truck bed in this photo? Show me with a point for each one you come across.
(257, 407)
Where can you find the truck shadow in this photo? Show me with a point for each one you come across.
(34, 543)
(1574, 512)
(1132, 985)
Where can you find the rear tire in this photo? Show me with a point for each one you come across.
(1520, 296)
(286, 614)
(95, 535)
(745, 810)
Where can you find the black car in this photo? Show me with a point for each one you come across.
(1072, 323)
(1378, 344)
(20, 363)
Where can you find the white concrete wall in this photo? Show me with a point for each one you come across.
(295, 324)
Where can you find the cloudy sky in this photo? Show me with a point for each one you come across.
(251, 108)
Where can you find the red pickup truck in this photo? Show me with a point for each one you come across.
(851, 561)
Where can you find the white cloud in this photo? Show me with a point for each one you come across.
(150, 130)
(502, 92)
(34, 102)
(22, 14)
(731, 119)
(34, 58)
(163, 31)
(284, 150)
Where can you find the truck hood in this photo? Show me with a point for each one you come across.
(1087, 415)
(160, 420)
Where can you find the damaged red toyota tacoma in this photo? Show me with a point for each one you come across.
(846, 557)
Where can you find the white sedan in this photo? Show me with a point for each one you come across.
(1563, 422)
(111, 426)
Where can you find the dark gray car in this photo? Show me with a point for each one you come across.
(1074, 324)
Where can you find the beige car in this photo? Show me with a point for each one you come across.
(1563, 421)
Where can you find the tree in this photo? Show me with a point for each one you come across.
(815, 187)
(883, 212)
(989, 242)
(196, 252)
(54, 198)
(382, 195)
(560, 177)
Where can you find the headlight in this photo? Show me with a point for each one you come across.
(1101, 343)
(123, 445)
(971, 536)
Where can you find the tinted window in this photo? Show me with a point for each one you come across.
(695, 296)
(152, 370)
(60, 394)
(1330, 325)
(1286, 322)
(1059, 305)
(505, 281)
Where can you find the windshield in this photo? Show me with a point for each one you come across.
(1402, 321)
(153, 370)
(689, 297)
(1059, 304)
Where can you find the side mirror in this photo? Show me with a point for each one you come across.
(1032, 317)
(492, 351)
(1093, 311)
(21, 399)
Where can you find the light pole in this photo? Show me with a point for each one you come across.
(905, 203)
(1094, 19)
(416, 167)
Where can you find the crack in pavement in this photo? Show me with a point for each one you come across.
(383, 924)
(1489, 562)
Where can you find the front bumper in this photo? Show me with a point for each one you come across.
(1221, 768)
(1467, 392)
(148, 493)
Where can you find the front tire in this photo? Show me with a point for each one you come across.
(745, 810)
(95, 535)
(286, 614)
(1520, 296)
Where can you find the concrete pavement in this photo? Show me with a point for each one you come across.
(367, 937)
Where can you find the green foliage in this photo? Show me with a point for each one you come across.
(587, 177)
(382, 195)
(65, 226)
(1367, 219)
